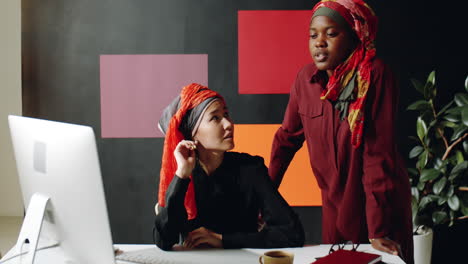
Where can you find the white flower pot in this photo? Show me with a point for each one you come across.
(423, 246)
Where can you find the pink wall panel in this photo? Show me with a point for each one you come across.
(136, 88)
(273, 46)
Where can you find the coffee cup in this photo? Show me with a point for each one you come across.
(276, 257)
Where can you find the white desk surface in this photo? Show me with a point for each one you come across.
(304, 255)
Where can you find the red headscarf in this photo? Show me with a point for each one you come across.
(190, 96)
(363, 22)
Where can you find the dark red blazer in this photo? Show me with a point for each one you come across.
(365, 190)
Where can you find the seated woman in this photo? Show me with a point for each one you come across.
(209, 196)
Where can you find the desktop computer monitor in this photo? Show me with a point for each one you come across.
(60, 161)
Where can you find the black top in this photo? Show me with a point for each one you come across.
(228, 203)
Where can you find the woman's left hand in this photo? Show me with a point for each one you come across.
(386, 245)
(202, 237)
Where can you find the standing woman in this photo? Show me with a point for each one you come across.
(344, 105)
(209, 196)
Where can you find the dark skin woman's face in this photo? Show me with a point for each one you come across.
(329, 43)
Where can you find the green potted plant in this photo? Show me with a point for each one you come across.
(439, 178)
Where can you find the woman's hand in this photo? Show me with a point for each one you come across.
(203, 238)
(386, 245)
(184, 154)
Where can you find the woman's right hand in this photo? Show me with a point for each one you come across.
(184, 154)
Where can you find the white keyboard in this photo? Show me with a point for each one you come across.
(143, 256)
(155, 255)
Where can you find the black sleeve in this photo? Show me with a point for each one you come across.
(172, 218)
(282, 226)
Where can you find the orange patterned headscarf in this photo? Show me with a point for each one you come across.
(362, 20)
(191, 96)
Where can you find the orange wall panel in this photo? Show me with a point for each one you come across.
(299, 186)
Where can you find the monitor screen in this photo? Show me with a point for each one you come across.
(60, 161)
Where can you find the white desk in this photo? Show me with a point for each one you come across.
(304, 255)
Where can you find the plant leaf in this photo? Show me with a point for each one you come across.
(426, 200)
(448, 124)
(433, 123)
(415, 193)
(427, 141)
(453, 159)
(444, 108)
(413, 171)
(431, 78)
(418, 86)
(452, 217)
(454, 203)
(450, 191)
(458, 132)
(458, 169)
(416, 151)
(421, 105)
(452, 118)
(440, 164)
(465, 146)
(429, 88)
(466, 83)
(464, 115)
(414, 208)
(443, 167)
(459, 156)
(439, 217)
(429, 91)
(429, 174)
(439, 185)
(421, 128)
(461, 99)
(455, 110)
(464, 209)
(420, 185)
(442, 200)
(422, 160)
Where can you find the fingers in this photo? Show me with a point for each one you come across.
(187, 145)
(209, 239)
(198, 232)
(204, 240)
(391, 247)
(193, 236)
(185, 157)
(202, 237)
(189, 243)
(386, 245)
(192, 145)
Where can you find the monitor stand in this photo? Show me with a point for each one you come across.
(30, 231)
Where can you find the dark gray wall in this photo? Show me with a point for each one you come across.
(62, 41)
